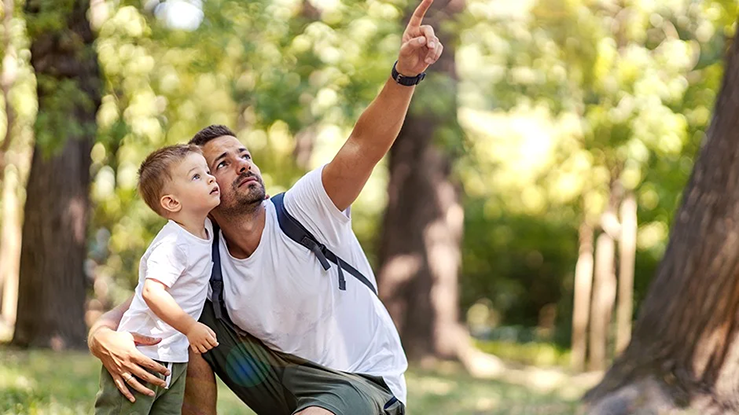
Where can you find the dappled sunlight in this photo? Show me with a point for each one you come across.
(401, 268)
(543, 118)
(26, 382)
(178, 14)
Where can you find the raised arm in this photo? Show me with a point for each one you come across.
(379, 125)
(117, 351)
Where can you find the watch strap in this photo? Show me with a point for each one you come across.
(406, 80)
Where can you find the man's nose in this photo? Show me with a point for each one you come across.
(244, 166)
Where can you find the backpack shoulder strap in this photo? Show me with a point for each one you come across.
(216, 277)
(297, 232)
(216, 285)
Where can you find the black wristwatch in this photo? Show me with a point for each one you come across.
(407, 80)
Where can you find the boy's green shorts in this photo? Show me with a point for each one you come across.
(275, 383)
(111, 401)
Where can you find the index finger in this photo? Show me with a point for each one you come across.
(420, 11)
(143, 361)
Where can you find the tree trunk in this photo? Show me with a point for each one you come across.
(627, 256)
(583, 288)
(422, 230)
(684, 352)
(52, 277)
(10, 243)
(7, 79)
(10, 249)
(604, 294)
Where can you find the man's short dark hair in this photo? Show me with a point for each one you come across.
(210, 132)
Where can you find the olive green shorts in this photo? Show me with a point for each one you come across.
(110, 401)
(275, 383)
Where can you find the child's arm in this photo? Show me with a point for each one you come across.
(200, 336)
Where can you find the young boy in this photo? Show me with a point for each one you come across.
(173, 277)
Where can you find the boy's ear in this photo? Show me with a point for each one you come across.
(170, 203)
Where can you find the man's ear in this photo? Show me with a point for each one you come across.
(170, 203)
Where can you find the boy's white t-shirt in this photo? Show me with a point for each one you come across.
(282, 295)
(182, 262)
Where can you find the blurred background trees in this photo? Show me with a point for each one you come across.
(527, 201)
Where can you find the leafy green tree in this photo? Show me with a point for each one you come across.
(52, 276)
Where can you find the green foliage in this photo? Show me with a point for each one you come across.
(44, 382)
(48, 16)
(568, 97)
(54, 125)
(48, 24)
(531, 353)
(555, 100)
(277, 72)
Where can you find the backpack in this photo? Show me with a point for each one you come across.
(297, 232)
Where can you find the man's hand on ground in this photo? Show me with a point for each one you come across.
(420, 47)
(117, 351)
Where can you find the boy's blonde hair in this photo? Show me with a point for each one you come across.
(156, 172)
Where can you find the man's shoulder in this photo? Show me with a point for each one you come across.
(308, 183)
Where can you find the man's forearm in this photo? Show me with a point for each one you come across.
(379, 125)
(373, 134)
(109, 320)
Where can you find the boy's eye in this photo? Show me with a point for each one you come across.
(196, 177)
(247, 156)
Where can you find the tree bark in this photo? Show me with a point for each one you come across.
(10, 249)
(627, 257)
(52, 278)
(583, 290)
(604, 294)
(422, 231)
(684, 351)
(10, 244)
(7, 79)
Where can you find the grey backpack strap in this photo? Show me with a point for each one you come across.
(297, 232)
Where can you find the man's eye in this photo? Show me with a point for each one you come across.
(221, 164)
(247, 156)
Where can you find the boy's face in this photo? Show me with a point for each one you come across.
(192, 186)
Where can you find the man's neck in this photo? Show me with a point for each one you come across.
(243, 232)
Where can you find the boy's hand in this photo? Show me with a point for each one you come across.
(201, 338)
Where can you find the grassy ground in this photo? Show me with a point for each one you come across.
(45, 382)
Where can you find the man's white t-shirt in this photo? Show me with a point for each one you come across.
(182, 262)
(282, 295)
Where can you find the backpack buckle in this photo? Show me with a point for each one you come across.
(317, 249)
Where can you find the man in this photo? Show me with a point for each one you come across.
(294, 337)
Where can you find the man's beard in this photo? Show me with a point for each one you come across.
(245, 199)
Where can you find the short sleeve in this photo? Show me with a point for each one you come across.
(309, 203)
(165, 263)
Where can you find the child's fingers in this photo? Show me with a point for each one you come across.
(212, 342)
